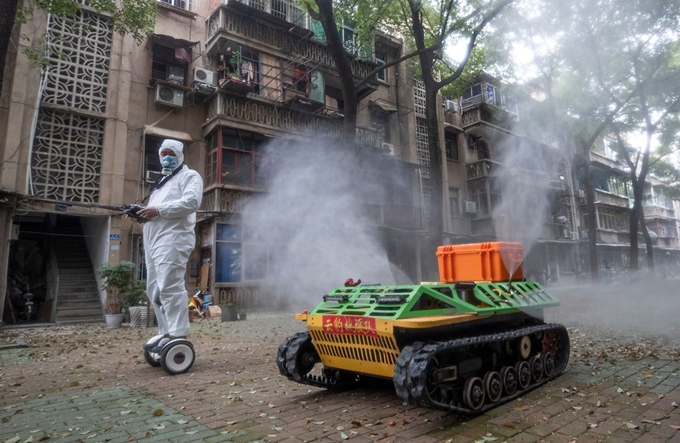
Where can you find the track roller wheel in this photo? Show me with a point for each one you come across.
(548, 363)
(493, 385)
(536, 365)
(474, 393)
(509, 378)
(525, 347)
(523, 374)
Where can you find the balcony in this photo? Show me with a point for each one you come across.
(478, 110)
(489, 168)
(394, 216)
(225, 200)
(654, 211)
(607, 198)
(225, 108)
(235, 22)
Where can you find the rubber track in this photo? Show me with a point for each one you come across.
(412, 375)
(289, 354)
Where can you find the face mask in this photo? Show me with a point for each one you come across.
(169, 163)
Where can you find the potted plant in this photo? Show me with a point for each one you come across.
(242, 314)
(135, 306)
(235, 62)
(229, 311)
(117, 281)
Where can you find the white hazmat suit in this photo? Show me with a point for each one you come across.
(168, 242)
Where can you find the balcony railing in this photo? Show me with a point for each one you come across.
(394, 216)
(658, 211)
(222, 200)
(611, 199)
(488, 168)
(239, 27)
(282, 118)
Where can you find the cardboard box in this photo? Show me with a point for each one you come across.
(215, 311)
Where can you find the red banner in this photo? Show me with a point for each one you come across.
(340, 324)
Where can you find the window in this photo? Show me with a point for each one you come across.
(228, 253)
(473, 91)
(362, 49)
(242, 253)
(235, 157)
(451, 146)
(380, 59)
(182, 4)
(612, 220)
(454, 201)
(170, 64)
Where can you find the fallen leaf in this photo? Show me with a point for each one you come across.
(158, 426)
(158, 412)
(577, 408)
(508, 425)
(675, 427)
(44, 437)
(125, 412)
(619, 390)
(592, 425)
(12, 440)
(392, 423)
(631, 425)
(343, 436)
(191, 432)
(652, 422)
(181, 422)
(131, 438)
(74, 384)
(674, 404)
(356, 423)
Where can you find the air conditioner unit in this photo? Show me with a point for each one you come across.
(169, 96)
(581, 193)
(204, 76)
(388, 148)
(152, 176)
(574, 235)
(470, 206)
(450, 106)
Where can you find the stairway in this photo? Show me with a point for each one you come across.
(78, 296)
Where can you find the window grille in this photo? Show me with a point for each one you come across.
(66, 163)
(419, 96)
(79, 54)
(66, 159)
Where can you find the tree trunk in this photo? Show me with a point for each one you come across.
(436, 222)
(592, 218)
(648, 240)
(634, 219)
(342, 63)
(8, 12)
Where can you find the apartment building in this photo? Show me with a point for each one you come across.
(613, 202)
(224, 77)
(493, 166)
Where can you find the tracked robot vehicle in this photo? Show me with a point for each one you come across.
(466, 344)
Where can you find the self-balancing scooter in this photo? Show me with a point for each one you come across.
(175, 357)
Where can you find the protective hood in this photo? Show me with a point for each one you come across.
(176, 146)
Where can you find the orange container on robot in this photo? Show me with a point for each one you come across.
(480, 262)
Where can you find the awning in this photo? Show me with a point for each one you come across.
(382, 105)
(171, 42)
(167, 133)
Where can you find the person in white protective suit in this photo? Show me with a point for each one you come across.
(168, 241)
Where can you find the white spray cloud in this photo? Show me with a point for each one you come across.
(313, 212)
(522, 184)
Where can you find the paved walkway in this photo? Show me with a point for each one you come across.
(89, 384)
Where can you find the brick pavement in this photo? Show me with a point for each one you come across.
(86, 383)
